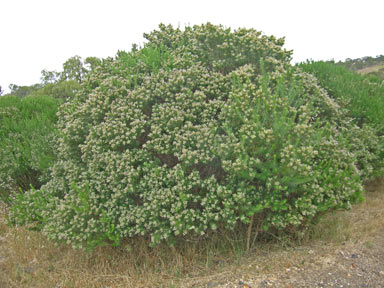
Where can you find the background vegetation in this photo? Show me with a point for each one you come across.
(62, 84)
(362, 96)
(26, 147)
(371, 66)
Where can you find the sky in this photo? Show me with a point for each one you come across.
(43, 34)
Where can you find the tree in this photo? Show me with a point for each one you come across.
(49, 76)
(1, 91)
(73, 69)
(22, 91)
(92, 63)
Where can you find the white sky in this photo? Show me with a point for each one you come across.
(39, 34)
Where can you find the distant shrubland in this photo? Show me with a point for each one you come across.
(372, 66)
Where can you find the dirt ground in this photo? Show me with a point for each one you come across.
(374, 68)
(356, 262)
(353, 264)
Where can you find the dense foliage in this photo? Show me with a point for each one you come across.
(199, 130)
(363, 98)
(26, 133)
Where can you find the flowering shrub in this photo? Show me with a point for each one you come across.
(199, 130)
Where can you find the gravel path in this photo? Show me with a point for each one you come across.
(358, 264)
(352, 264)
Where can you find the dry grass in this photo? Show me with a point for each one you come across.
(370, 69)
(362, 221)
(27, 259)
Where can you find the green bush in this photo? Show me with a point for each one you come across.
(202, 129)
(361, 95)
(26, 133)
(363, 100)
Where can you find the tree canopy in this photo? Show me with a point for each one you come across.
(61, 84)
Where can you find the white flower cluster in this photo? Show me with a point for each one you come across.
(200, 129)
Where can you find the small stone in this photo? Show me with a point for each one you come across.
(355, 256)
(244, 285)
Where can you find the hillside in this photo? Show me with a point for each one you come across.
(366, 65)
(377, 70)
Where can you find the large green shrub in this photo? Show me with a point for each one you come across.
(201, 129)
(26, 133)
